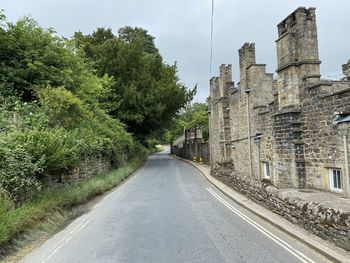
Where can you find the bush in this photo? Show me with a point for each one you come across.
(63, 108)
(138, 151)
(99, 133)
(5, 202)
(55, 111)
(14, 222)
(152, 143)
(57, 150)
(18, 173)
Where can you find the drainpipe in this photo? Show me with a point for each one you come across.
(247, 91)
(345, 136)
(210, 139)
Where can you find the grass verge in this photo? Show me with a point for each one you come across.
(29, 216)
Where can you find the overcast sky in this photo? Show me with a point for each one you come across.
(182, 29)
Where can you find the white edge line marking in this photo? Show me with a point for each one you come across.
(63, 239)
(101, 202)
(58, 246)
(76, 232)
(266, 232)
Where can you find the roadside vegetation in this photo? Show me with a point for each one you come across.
(63, 101)
(192, 115)
(28, 216)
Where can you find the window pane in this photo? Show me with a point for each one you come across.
(335, 179)
(268, 169)
(339, 180)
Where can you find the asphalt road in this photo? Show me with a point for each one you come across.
(167, 212)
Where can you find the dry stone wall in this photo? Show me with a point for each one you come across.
(89, 167)
(326, 222)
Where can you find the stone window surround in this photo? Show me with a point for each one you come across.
(327, 178)
(331, 182)
(263, 165)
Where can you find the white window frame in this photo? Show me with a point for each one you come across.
(266, 170)
(334, 185)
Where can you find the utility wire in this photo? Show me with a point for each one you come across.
(211, 35)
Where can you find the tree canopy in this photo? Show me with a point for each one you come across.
(33, 57)
(146, 92)
(63, 101)
(125, 72)
(192, 115)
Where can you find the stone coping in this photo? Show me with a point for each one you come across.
(331, 200)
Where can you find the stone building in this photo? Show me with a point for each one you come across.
(191, 145)
(291, 129)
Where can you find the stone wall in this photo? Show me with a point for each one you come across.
(87, 168)
(288, 160)
(346, 70)
(297, 54)
(191, 146)
(322, 141)
(324, 221)
(216, 150)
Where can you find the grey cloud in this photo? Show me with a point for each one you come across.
(182, 28)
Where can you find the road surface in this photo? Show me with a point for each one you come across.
(167, 212)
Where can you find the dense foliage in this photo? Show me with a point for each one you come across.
(192, 115)
(32, 57)
(64, 100)
(145, 94)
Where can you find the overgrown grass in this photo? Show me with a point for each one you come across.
(28, 216)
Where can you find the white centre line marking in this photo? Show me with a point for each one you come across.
(263, 230)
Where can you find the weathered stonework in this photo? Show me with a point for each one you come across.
(346, 70)
(283, 132)
(89, 167)
(191, 146)
(329, 223)
(297, 54)
(220, 119)
(284, 122)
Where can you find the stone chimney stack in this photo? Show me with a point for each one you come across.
(246, 59)
(297, 55)
(214, 89)
(225, 79)
(346, 70)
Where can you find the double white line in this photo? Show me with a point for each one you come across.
(263, 230)
(60, 244)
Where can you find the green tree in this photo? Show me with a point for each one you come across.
(53, 109)
(31, 57)
(192, 115)
(131, 35)
(146, 93)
